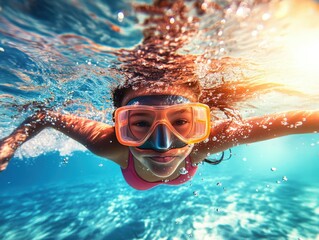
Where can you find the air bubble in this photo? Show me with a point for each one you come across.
(64, 162)
(120, 16)
(265, 16)
(195, 193)
(242, 12)
(284, 178)
(273, 169)
(298, 124)
(183, 171)
(178, 221)
(204, 6)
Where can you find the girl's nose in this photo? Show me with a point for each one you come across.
(161, 138)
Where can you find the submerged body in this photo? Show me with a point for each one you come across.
(153, 165)
(159, 77)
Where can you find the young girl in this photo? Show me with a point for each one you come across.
(162, 119)
(160, 136)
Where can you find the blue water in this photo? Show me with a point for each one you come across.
(55, 189)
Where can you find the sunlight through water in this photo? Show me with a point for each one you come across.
(68, 56)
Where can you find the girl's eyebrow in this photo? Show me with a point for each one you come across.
(181, 111)
(140, 114)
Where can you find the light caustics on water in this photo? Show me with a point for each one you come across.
(106, 213)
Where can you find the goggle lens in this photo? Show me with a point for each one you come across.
(140, 122)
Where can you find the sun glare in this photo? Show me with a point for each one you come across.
(304, 50)
(296, 63)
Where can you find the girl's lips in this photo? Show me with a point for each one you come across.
(166, 159)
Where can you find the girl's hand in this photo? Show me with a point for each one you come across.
(7, 150)
(29, 128)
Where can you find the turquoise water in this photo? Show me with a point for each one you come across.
(241, 198)
(50, 55)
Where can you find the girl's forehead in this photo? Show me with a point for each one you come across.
(158, 100)
(160, 95)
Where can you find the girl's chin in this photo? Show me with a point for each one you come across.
(163, 170)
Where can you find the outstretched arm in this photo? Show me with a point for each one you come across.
(277, 125)
(96, 136)
(226, 134)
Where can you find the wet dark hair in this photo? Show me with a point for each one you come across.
(158, 59)
(218, 160)
(120, 92)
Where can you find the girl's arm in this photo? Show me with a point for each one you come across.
(97, 137)
(276, 125)
(226, 134)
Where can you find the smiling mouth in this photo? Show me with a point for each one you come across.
(162, 159)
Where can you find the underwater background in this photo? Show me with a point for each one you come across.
(61, 55)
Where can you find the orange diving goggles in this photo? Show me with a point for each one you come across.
(134, 124)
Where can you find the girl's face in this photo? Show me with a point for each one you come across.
(162, 153)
